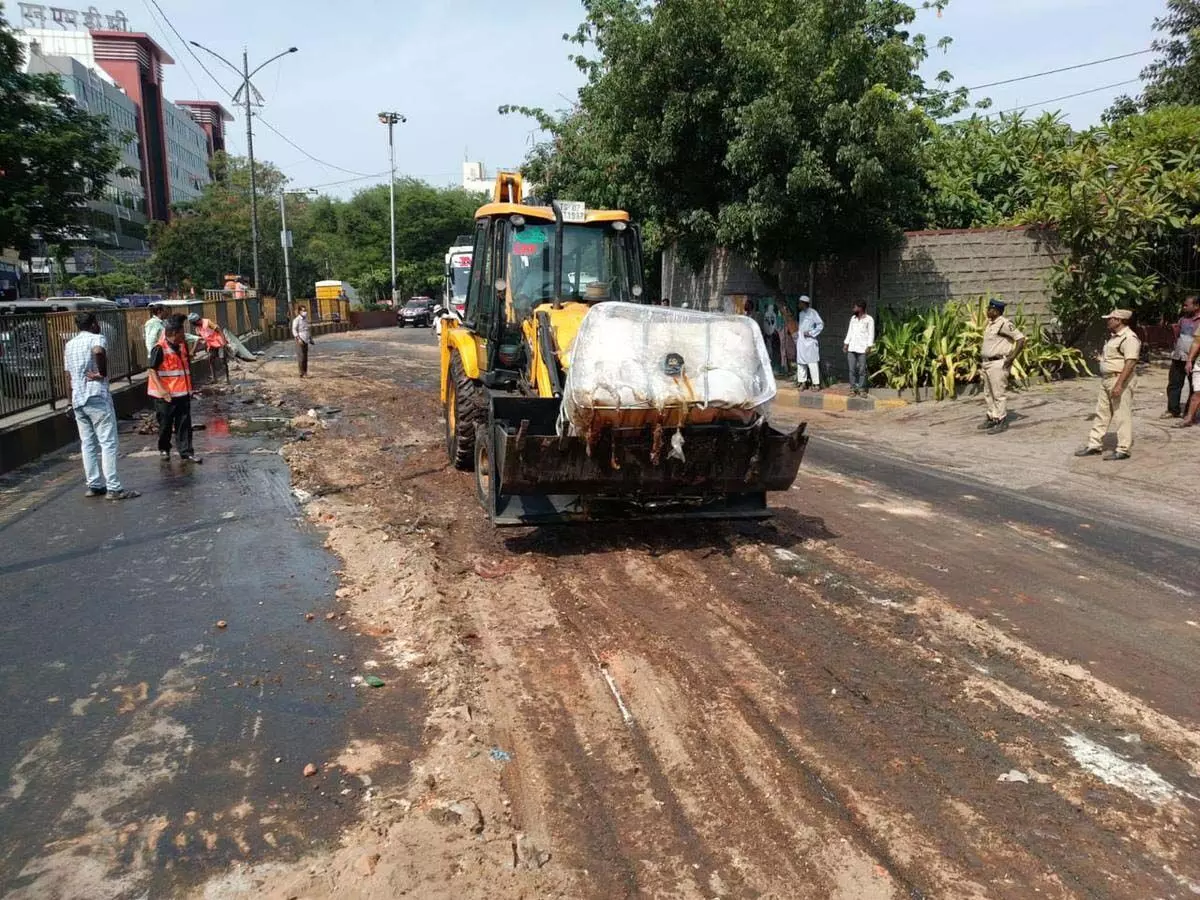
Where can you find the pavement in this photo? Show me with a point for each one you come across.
(1034, 458)
(161, 687)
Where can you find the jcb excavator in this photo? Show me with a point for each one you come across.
(537, 272)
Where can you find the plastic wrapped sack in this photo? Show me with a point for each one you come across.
(634, 365)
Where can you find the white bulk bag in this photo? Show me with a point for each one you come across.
(627, 356)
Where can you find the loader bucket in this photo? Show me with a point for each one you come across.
(537, 476)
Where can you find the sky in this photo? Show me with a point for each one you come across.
(447, 65)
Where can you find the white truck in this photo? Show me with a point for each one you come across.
(458, 276)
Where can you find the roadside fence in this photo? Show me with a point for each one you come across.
(31, 344)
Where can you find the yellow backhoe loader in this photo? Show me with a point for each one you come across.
(653, 423)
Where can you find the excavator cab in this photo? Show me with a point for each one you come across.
(537, 272)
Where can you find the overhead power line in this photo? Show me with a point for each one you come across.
(1094, 62)
(1106, 87)
(182, 64)
(188, 48)
(346, 181)
(322, 162)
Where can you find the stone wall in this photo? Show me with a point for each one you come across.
(928, 268)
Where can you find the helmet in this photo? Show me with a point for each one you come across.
(194, 317)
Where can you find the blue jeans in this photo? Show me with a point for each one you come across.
(97, 423)
(858, 370)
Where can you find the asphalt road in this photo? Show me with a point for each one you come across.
(143, 747)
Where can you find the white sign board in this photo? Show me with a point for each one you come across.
(573, 210)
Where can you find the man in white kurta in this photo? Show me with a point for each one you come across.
(808, 352)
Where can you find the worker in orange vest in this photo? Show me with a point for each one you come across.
(170, 384)
(214, 341)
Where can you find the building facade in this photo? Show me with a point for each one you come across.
(119, 74)
(187, 154)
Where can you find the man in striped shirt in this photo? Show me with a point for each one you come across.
(85, 359)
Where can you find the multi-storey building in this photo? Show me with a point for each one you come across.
(119, 74)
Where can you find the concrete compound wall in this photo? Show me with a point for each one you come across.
(928, 268)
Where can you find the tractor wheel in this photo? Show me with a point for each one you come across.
(485, 471)
(466, 407)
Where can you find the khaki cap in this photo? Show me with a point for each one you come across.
(1123, 314)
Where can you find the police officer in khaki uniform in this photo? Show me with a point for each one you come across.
(1114, 407)
(1001, 344)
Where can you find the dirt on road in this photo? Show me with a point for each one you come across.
(713, 710)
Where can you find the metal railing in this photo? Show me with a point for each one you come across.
(32, 344)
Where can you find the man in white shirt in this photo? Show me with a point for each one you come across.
(860, 338)
(302, 332)
(809, 326)
(153, 330)
(85, 359)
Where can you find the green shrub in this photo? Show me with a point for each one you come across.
(940, 347)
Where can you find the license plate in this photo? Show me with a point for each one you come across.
(573, 210)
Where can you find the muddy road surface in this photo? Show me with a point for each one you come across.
(896, 687)
(901, 686)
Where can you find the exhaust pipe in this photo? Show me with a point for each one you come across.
(558, 252)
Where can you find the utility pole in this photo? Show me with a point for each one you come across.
(250, 152)
(390, 119)
(285, 238)
(250, 97)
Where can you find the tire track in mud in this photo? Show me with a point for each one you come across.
(953, 746)
(743, 773)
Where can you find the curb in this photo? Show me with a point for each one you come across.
(836, 402)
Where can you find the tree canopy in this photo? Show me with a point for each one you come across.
(54, 155)
(773, 127)
(332, 238)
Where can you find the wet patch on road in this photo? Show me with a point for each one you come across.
(145, 748)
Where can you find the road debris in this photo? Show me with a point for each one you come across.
(468, 814)
(373, 681)
(221, 623)
(1014, 776)
(500, 756)
(310, 770)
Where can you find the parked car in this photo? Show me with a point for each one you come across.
(417, 312)
(24, 369)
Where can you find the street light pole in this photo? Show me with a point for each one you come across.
(390, 119)
(253, 182)
(250, 93)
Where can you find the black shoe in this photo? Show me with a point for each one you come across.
(123, 495)
(96, 492)
(1116, 454)
(999, 427)
(1088, 451)
(989, 422)
(164, 455)
(192, 458)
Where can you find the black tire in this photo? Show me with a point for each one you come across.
(400, 323)
(485, 472)
(466, 408)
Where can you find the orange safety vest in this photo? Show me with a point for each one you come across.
(211, 334)
(174, 377)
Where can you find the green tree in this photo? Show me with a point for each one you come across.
(777, 128)
(54, 156)
(332, 238)
(1115, 196)
(1173, 79)
(977, 167)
